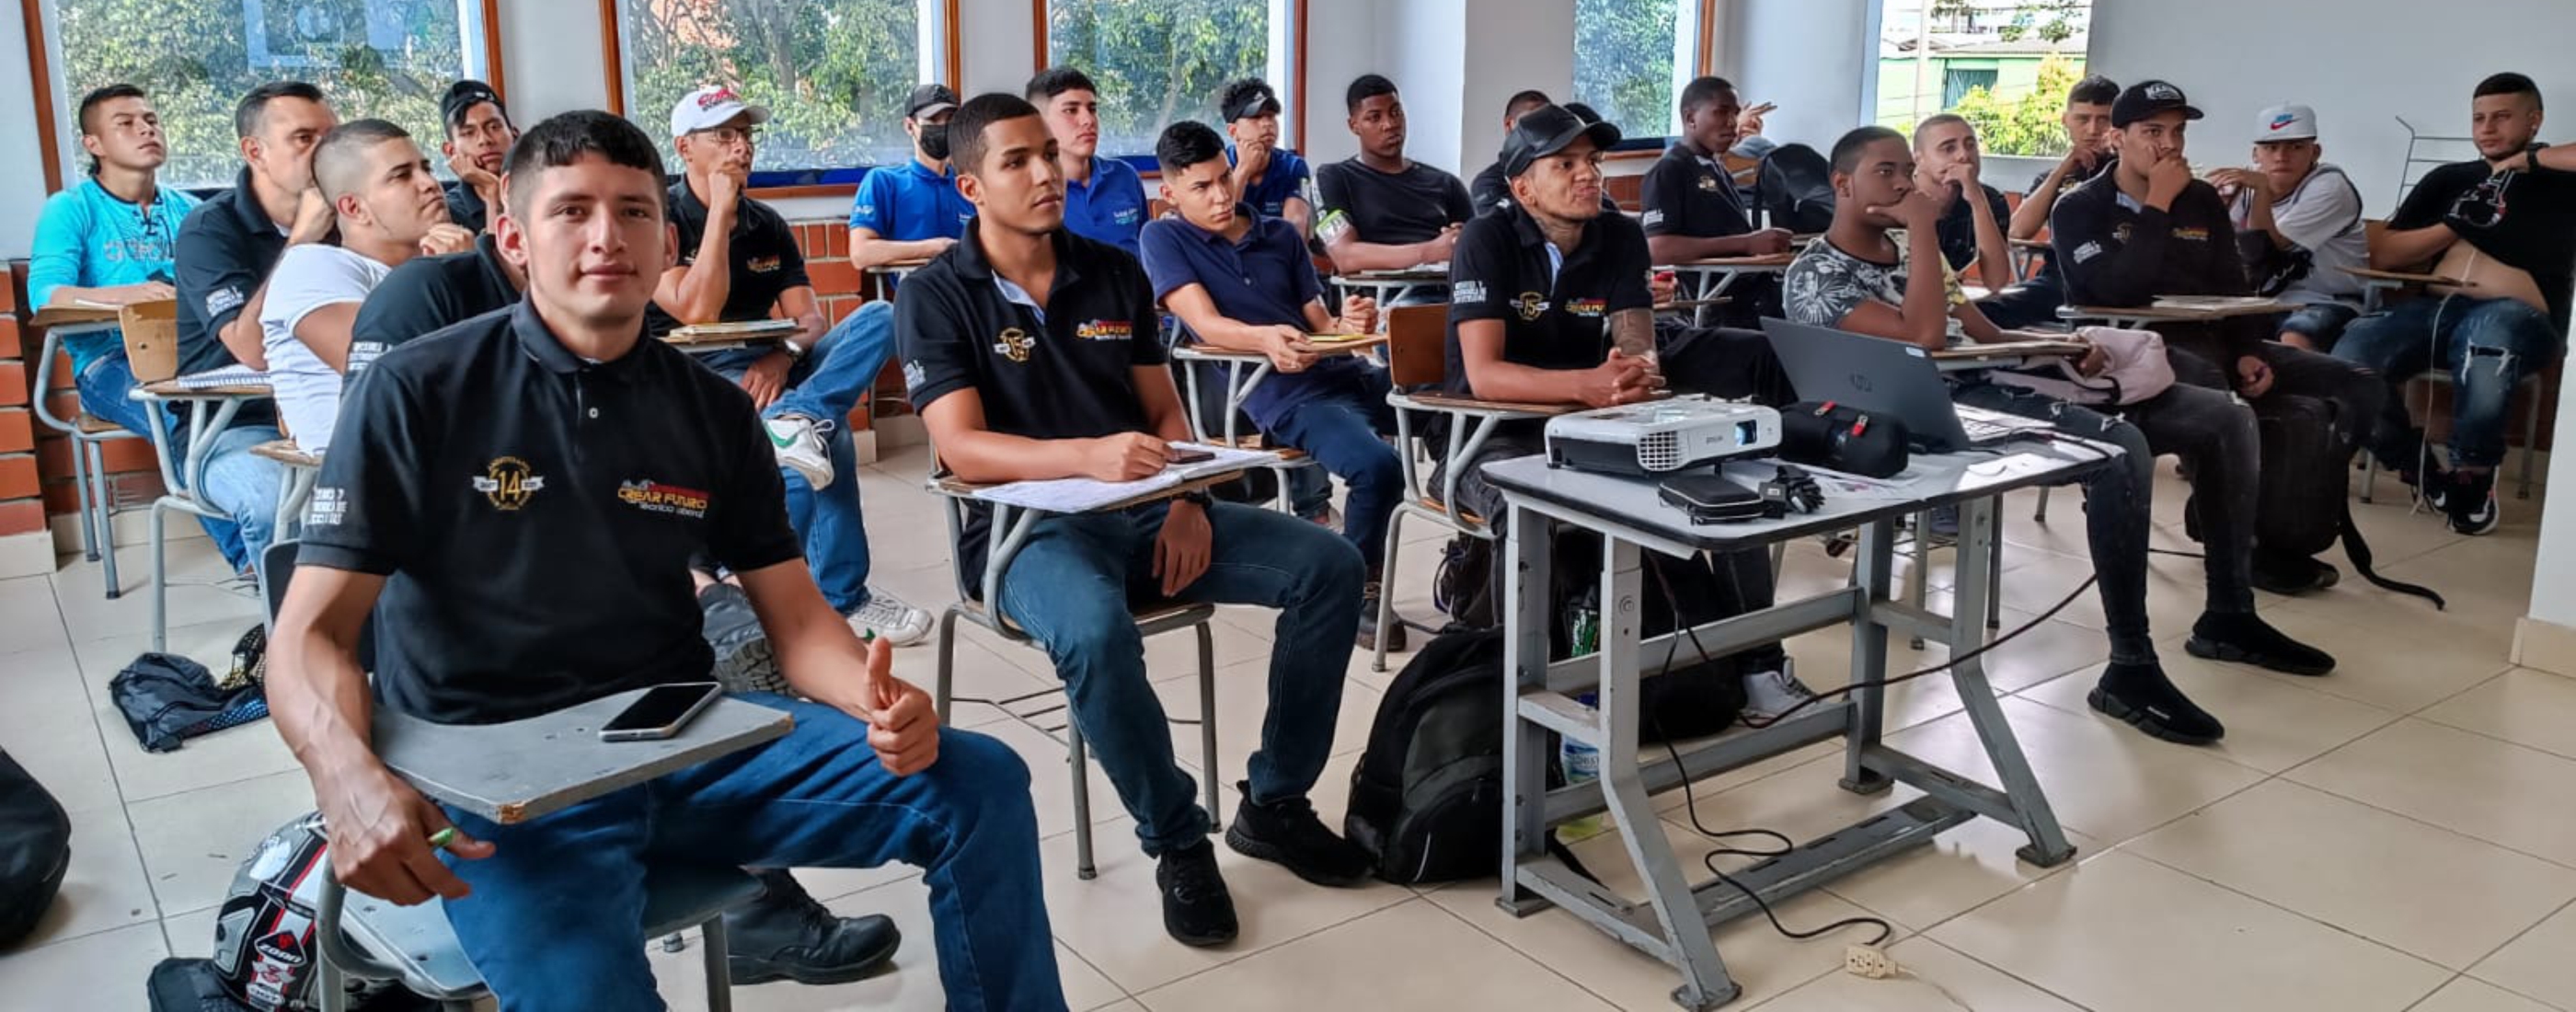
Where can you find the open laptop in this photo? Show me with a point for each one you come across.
(1887, 377)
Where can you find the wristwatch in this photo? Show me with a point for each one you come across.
(794, 351)
(1197, 497)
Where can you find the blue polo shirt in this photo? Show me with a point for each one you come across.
(1110, 208)
(910, 202)
(1283, 178)
(1263, 279)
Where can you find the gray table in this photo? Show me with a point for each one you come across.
(1672, 922)
(525, 769)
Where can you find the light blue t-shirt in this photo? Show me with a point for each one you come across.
(1110, 207)
(89, 238)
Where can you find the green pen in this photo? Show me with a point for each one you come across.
(439, 840)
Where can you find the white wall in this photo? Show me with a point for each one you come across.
(21, 163)
(1813, 58)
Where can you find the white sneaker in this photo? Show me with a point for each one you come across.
(1769, 694)
(800, 446)
(892, 620)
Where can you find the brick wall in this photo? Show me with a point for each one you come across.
(21, 508)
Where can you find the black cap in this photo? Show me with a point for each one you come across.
(462, 97)
(2147, 98)
(1546, 130)
(929, 100)
(1253, 102)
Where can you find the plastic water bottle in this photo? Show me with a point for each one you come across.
(1582, 763)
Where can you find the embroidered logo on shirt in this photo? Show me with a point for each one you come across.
(223, 300)
(762, 265)
(1586, 307)
(2120, 233)
(1651, 219)
(2191, 234)
(1531, 304)
(1708, 184)
(655, 497)
(1014, 344)
(914, 375)
(864, 211)
(1127, 215)
(509, 483)
(1467, 293)
(329, 504)
(1105, 330)
(2087, 251)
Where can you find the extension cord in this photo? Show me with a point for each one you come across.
(1869, 961)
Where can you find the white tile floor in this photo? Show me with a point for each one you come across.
(2395, 836)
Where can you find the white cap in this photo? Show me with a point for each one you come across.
(710, 107)
(2286, 123)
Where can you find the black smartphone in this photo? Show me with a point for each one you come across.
(1188, 456)
(660, 712)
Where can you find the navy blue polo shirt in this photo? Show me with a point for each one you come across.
(1283, 178)
(910, 202)
(1110, 208)
(536, 514)
(1263, 279)
(465, 207)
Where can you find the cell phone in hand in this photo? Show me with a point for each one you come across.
(1184, 455)
(661, 712)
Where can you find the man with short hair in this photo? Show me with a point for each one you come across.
(1033, 353)
(738, 261)
(108, 240)
(2504, 223)
(2146, 228)
(2298, 226)
(389, 209)
(478, 138)
(911, 212)
(1243, 282)
(1692, 208)
(1383, 211)
(1947, 164)
(2089, 153)
(1271, 178)
(1104, 199)
(1879, 272)
(1491, 189)
(562, 583)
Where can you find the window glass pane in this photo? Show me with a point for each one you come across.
(2003, 64)
(1623, 62)
(834, 73)
(1159, 61)
(389, 59)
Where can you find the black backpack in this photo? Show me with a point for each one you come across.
(35, 851)
(2302, 503)
(1796, 185)
(1427, 798)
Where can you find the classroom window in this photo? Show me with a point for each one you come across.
(2003, 64)
(1630, 59)
(1159, 62)
(389, 59)
(833, 73)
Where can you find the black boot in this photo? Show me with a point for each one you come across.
(1287, 833)
(2246, 639)
(2143, 696)
(787, 935)
(1368, 621)
(1197, 909)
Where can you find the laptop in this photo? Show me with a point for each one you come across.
(1890, 378)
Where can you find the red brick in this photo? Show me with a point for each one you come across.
(9, 292)
(9, 347)
(130, 455)
(18, 477)
(22, 516)
(13, 383)
(17, 430)
(834, 278)
(59, 497)
(64, 404)
(55, 456)
(836, 240)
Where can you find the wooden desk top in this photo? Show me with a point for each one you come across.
(2183, 312)
(59, 316)
(898, 267)
(170, 390)
(1733, 263)
(1337, 345)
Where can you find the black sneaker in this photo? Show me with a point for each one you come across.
(786, 935)
(1368, 622)
(2247, 639)
(2143, 696)
(1287, 833)
(1197, 909)
(2292, 575)
(744, 662)
(2470, 501)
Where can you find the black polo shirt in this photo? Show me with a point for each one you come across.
(465, 207)
(763, 258)
(426, 294)
(1686, 196)
(223, 253)
(1061, 373)
(1501, 271)
(536, 515)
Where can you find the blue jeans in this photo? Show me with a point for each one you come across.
(106, 389)
(246, 487)
(1341, 431)
(556, 918)
(826, 386)
(1070, 588)
(2487, 345)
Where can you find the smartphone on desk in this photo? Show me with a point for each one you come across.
(660, 712)
(1184, 455)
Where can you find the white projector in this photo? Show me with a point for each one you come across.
(1661, 437)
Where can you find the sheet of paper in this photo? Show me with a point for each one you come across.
(1224, 460)
(1076, 495)
(228, 376)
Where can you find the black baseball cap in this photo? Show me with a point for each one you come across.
(1254, 101)
(929, 100)
(2147, 98)
(462, 97)
(1547, 130)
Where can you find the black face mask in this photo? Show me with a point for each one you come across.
(934, 141)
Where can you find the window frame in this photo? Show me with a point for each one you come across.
(1703, 65)
(54, 104)
(1293, 94)
(777, 184)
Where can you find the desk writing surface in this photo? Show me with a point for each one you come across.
(898, 267)
(86, 315)
(511, 773)
(1326, 345)
(1744, 262)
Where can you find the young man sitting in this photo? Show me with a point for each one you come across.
(1549, 305)
(1243, 282)
(1878, 271)
(1271, 178)
(2506, 225)
(2089, 153)
(2298, 226)
(739, 261)
(1947, 165)
(1383, 211)
(1033, 353)
(553, 588)
(1104, 199)
(389, 209)
(479, 136)
(912, 212)
(1693, 210)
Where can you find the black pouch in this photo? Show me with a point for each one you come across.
(1842, 438)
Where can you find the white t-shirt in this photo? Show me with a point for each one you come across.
(2322, 216)
(307, 278)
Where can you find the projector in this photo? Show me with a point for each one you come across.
(1661, 437)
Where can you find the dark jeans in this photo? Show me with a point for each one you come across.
(1070, 588)
(2487, 345)
(1342, 431)
(2354, 391)
(826, 386)
(2214, 435)
(2322, 324)
(556, 918)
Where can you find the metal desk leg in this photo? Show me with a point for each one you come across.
(1977, 530)
(105, 541)
(1525, 583)
(1870, 571)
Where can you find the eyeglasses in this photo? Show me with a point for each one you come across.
(732, 134)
